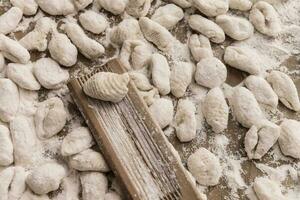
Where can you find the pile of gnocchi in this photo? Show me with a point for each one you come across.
(163, 69)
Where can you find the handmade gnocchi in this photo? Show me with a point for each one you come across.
(6, 177)
(212, 8)
(168, 16)
(241, 58)
(210, 72)
(93, 22)
(141, 81)
(116, 7)
(29, 195)
(156, 33)
(29, 7)
(77, 141)
(10, 19)
(94, 185)
(185, 120)
(207, 27)
(6, 147)
(160, 73)
(205, 167)
(265, 19)
(242, 5)
(183, 3)
(262, 90)
(17, 185)
(215, 110)
(107, 86)
(266, 189)
(162, 110)
(200, 47)
(138, 8)
(57, 7)
(285, 88)
(181, 77)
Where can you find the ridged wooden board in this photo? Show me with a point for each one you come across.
(133, 143)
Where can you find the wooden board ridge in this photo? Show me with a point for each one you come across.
(133, 143)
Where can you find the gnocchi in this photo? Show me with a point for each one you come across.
(289, 139)
(241, 58)
(88, 160)
(88, 47)
(141, 81)
(160, 73)
(149, 96)
(205, 167)
(18, 185)
(9, 99)
(245, 107)
(49, 74)
(28, 195)
(23, 76)
(237, 28)
(6, 147)
(211, 8)
(265, 19)
(285, 88)
(46, 177)
(185, 120)
(215, 110)
(162, 111)
(181, 77)
(183, 3)
(200, 47)
(262, 90)
(57, 7)
(210, 72)
(6, 177)
(242, 5)
(94, 185)
(29, 7)
(207, 28)
(168, 16)
(138, 8)
(10, 20)
(116, 7)
(77, 141)
(259, 140)
(50, 117)
(107, 86)
(156, 33)
(266, 189)
(93, 22)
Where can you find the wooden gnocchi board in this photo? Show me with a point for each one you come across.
(133, 143)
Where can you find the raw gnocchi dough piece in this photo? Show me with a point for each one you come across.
(149, 96)
(24, 140)
(266, 189)
(183, 3)
(211, 8)
(242, 5)
(168, 16)
(156, 33)
(81, 4)
(200, 47)
(259, 140)
(94, 185)
(128, 29)
(245, 107)
(77, 141)
(185, 120)
(29, 7)
(181, 77)
(285, 88)
(88, 47)
(289, 140)
(70, 187)
(160, 73)
(210, 72)
(49, 74)
(18, 185)
(241, 58)
(22, 75)
(28, 102)
(162, 111)
(9, 100)
(93, 22)
(138, 8)
(112, 196)
(215, 110)
(116, 7)
(13, 50)
(62, 50)
(57, 7)
(141, 81)
(6, 177)
(205, 167)
(37, 39)
(237, 28)
(135, 54)
(6, 147)
(50, 118)
(262, 90)
(88, 160)
(46, 178)
(107, 86)
(10, 20)
(207, 27)
(28, 195)
(265, 19)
